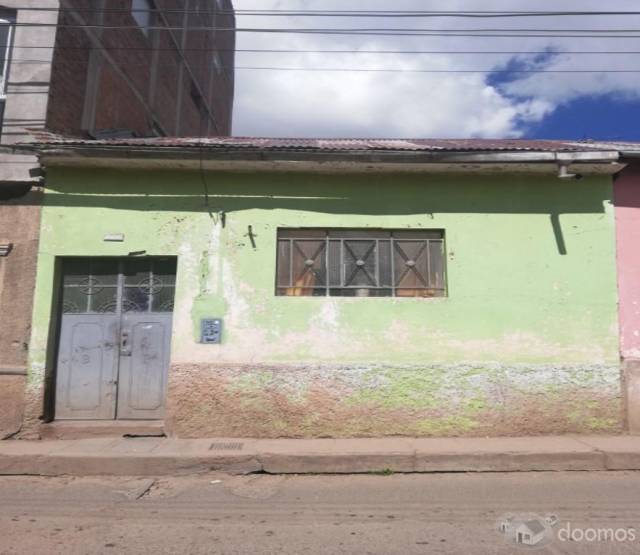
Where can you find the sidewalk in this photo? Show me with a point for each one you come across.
(162, 457)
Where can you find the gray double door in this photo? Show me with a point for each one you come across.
(115, 337)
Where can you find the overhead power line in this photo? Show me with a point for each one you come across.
(321, 51)
(383, 70)
(496, 33)
(430, 13)
(427, 14)
(350, 13)
(390, 70)
(326, 29)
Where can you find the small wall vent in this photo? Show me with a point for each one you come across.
(5, 249)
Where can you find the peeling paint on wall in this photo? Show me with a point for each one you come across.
(526, 341)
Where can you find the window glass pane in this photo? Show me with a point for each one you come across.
(436, 277)
(75, 270)
(163, 300)
(74, 301)
(135, 299)
(361, 292)
(104, 300)
(137, 271)
(91, 285)
(140, 9)
(384, 261)
(103, 272)
(360, 263)
(418, 292)
(302, 233)
(301, 292)
(335, 264)
(411, 264)
(283, 263)
(217, 62)
(421, 234)
(359, 233)
(164, 271)
(309, 263)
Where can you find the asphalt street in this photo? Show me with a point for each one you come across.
(576, 512)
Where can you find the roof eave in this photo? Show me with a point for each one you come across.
(256, 159)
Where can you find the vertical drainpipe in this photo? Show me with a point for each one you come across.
(183, 44)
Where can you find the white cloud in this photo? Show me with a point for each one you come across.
(342, 104)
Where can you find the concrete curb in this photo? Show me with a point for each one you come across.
(163, 457)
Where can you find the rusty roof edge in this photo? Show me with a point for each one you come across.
(61, 151)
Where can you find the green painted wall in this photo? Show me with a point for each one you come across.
(531, 306)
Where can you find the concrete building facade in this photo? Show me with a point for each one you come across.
(329, 288)
(85, 69)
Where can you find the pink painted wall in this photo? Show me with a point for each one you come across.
(627, 202)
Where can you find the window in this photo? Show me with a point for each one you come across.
(6, 42)
(217, 63)
(141, 11)
(360, 263)
(107, 285)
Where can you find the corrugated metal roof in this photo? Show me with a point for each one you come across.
(342, 145)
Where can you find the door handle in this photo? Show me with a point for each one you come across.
(125, 346)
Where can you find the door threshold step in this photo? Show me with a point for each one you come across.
(87, 429)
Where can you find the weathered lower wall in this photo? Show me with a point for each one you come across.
(360, 401)
(525, 343)
(19, 226)
(12, 404)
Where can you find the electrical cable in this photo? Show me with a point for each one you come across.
(371, 70)
(398, 31)
(322, 51)
(347, 13)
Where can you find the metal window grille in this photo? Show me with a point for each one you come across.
(95, 285)
(361, 263)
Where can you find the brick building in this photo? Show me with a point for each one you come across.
(92, 68)
(172, 82)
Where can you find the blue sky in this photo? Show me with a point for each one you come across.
(493, 102)
(598, 117)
